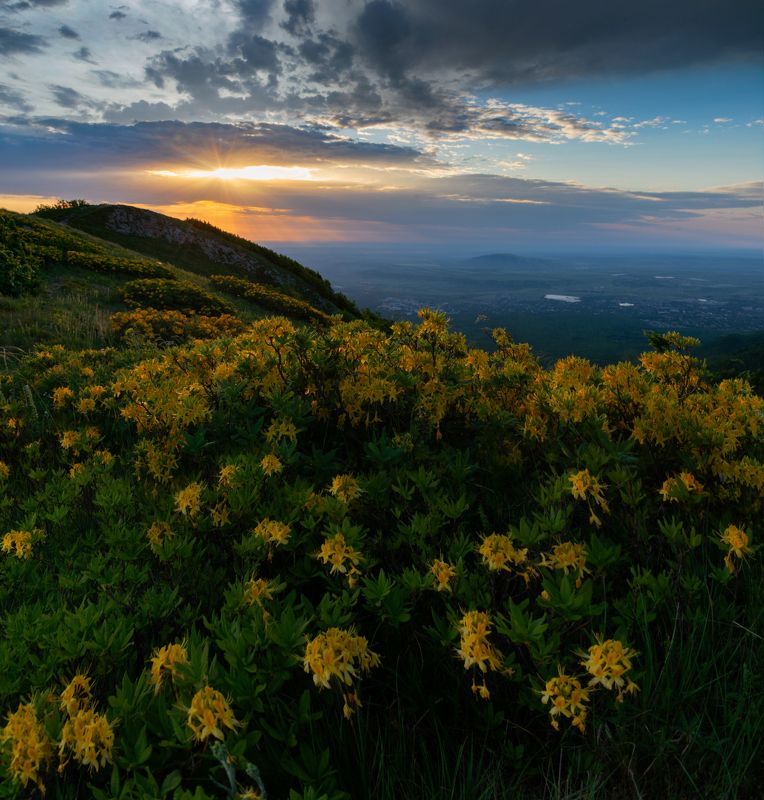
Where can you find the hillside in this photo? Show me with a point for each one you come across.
(61, 283)
(246, 555)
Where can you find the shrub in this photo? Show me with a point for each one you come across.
(162, 293)
(104, 262)
(172, 327)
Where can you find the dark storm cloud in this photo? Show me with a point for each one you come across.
(68, 33)
(13, 99)
(12, 42)
(255, 12)
(506, 41)
(46, 143)
(300, 14)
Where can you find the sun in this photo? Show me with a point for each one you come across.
(263, 172)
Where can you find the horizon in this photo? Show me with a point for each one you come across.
(502, 127)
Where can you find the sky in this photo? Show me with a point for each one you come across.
(490, 124)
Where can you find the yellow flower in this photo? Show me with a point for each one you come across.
(5, 471)
(270, 465)
(685, 481)
(339, 654)
(62, 396)
(209, 713)
(31, 749)
(69, 439)
(737, 541)
(256, 590)
(474, 647)
(444, 573)
(188, 500)
(166, 660)
(86, 405)
(77, 695)
(90, 738)
(584, 486)
(158, 533)
(567, 556)
(272, 531)
(567, 698)
(343, 557)
(499, 552)
(219, 514)
(226, 475)
(608, 662)
(281, 429)
(345, 488)
(20, 542)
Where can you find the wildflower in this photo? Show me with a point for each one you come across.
(209, 713)
(5, 471)
(444, 573)
(271, 465)
(737, 541)
(567, 556)
(340, 654)
(683, 484)
(90, 738)
(226, 475)
(499, 552)
(584, 486)
(345, 488)
(158, 533)
(69, 439)
(607, 662)
(474, 647)
(272, 531)
(343, 557)
(249, 794)
(219, 514)
(256, 590)
(281, 429)
(567, 698)
(166, 660)
(86, 405)
(188, 500)
(30, 746)
(20, 542)
(62, 396)
(77, 695)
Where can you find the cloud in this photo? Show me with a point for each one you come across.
(300, 15)
(84, 54)
(23, 5)
(67, 97)
(12, 42)
(118, 15)
(68, 33)
(147, 36)
(13, 99)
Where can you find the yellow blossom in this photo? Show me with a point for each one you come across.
(165, 661)
(345, 488)
(737, 541)
(281, 429)
(474, 647)
(89, 737)
(569, 557)
(77, 695)
(608, 662)
(188, 500)
(256, 590)
(343, 557)
(340, 654)
(685, 482)
(226, 475)
(271, 465)
(272, 531)
(20, 542)
(208, 714)
(499, 553)
(62, 396)
(443, 573)
(5, 471)
(31, 749)
(86, 405)
(566, 697)
(158, 533)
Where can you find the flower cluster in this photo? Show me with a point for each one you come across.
(272, 531)
(344, 558)
(20, 542)
(444, 573)
(31, 749)
(680, 486)
(737, 541)
(165, 662)
(208, 714)
(188, 500)
(476, 651)
(499, 553)
(345, 488)
(567, 698)
(569, 557)
(86, 734)
(585, 486)
(608, 662)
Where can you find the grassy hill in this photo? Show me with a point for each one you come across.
(247, 555)
(66, 272)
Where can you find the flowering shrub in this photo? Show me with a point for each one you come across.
(172, 327)
(240, 544)
(163, 293)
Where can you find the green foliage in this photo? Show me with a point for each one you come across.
(104, 262)
(162, 293)
(269, 299)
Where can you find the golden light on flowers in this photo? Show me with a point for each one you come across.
(567, 698)
(345, 488)
(272, 531)
(443, 573)
(608, 662)
(342, 557)
(499, 553)
(188, 500)
(31, 749)
(339, 654)
(77, 695)
(166, 661)
(209, 714)
(737, 541)
(89, 737)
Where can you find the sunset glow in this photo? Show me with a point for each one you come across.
(253, 173)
